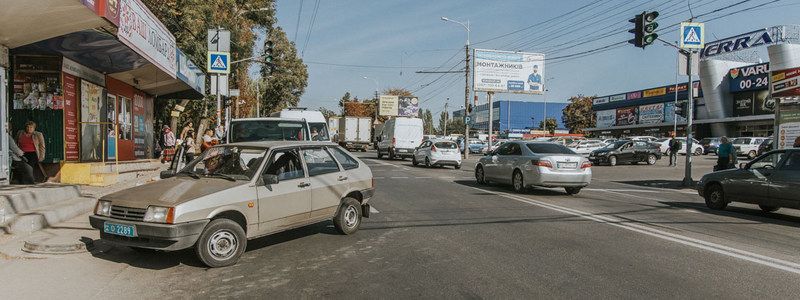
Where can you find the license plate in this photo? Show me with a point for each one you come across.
(119, 229)
(401, 150)
(567, 165)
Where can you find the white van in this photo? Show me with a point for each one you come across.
(267, 129)
(399, 137)
(317, 124)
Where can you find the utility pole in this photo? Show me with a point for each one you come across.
(489, 98)
(466, 98)
(446, 113)
(258, 99)
(687, 179)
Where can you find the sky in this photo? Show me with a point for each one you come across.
(388, 41)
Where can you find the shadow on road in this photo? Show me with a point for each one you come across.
(751, 214)
(656, 183)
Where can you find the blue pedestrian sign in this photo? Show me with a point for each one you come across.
(692, 35)
(219, 62)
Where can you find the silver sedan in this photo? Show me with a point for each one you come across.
(527, 164)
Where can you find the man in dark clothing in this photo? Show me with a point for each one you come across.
(674, 147)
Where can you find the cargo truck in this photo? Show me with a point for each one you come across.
(354, 133)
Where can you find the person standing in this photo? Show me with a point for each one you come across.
(169, 144)
(188, 145)
(31, 142)
(186, 128)
(674, 147)
(23, 172)
(725, 154)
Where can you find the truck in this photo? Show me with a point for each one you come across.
(399, 137)
(354, 133)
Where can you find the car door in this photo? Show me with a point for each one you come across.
(491, 167)
(785, 181)
(640, 151)
(752, 184)
(508, 161)
(288, 202)
(328, 183)
(626, 153)
(422, 151)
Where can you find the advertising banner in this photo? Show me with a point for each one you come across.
(388, 105)
(190, 73)
(91, 112)
(761, 37)
(634, 95)
(145, 34)
(606, 118)
(669, 113)
(655, 92)
(749, 78)
(626, 116)
(73, 68)
(651, 114)
(600, 100)
(785, 83)
(788, 122)
(71, 118)
(615, 98)
(408, 107)
(743, 104)
(764, 104)
(138, 126)
(508, 72)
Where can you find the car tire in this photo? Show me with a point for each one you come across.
(612, 160)
(572, 190)
(651, 159)
(427, 162)
(768, 208)
(480, 176)
(221, 243)
(518, 182)
(698, 152)
(752, 154)
(715, 197)
(348, 217)
(414, 161)
(380, 155)
(391, 154)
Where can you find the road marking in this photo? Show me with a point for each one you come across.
(379, 177)
(400, 177)
(681, 239)
(621, 190)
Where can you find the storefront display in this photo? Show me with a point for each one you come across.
(71, 139)
(91, 110)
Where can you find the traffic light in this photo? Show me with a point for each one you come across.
(682, 109)
(227, 101)
(269, 48)
(644, 31)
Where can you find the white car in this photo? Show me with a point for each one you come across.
(645, 138)
(585, 147)
(663, 145)
(748, 146)
(437, 152)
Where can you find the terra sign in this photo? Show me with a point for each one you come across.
(756, 38)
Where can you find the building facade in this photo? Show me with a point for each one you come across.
(513, 116)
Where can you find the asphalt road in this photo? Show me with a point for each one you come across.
(632, 233)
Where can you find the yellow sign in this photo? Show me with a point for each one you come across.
(388, 105)
(655, 92)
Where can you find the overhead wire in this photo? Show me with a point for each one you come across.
(310, 27)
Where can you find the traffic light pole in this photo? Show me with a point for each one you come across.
(466, 103)
(687, 179)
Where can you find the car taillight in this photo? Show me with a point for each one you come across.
(586, 165)
(542, 163)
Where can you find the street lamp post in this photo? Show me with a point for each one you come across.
(466, 77)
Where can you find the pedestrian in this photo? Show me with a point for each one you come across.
(188, 145)
(189, 125)
(22, 171)
(220, 132)
(674, 147)
(208, 140)
(797, 142)
(31, 142)
(169, 144)
(725, 154)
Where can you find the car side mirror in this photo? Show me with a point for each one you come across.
(268, 179)
(166, 174)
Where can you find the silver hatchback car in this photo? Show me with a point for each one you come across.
(236, 192)
(526, 164)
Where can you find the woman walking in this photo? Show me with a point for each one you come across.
(31, 142)
(169, 144)
(725, 154)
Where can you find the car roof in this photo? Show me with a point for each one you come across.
(271, 144)
(267, 119)
(437, 140)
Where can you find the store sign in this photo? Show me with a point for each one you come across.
(626, 116)
(749, 78)
(71, 142)
(743, 104)
(508, 72)
(144, 33)
(761, 37)
(387, 105)
(73, 68)
(788, 122)
(600, 100)
(681, 87)
(190, 73)
(651, 114)
(634, 95)
(764, 104)
(615, 98)
(655, 92)
(606, 118)
(785, 82)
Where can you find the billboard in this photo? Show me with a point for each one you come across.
(651, 113)
(788, 123)
(785, 83)
(387, 105)
(508, 72)
(408, 107)
(743, 104)
(606, 118)
(749, 78)
(626, 116)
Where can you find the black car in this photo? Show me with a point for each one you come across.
(765, 146)
(620, 152)
(770, 181)
(710, 145)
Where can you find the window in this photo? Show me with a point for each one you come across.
(347, 161)
(767, 162)
(446, 145)
(503, 150)
(234, 162)
(124, 119)
(286, 165)
(549, 148)
(514, 149)
(319, 162)
(319, 132)
(267, 130)
(792, 162)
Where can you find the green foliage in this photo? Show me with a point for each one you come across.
(578, 114)
(444, 117)
(456, 126)
(427, 121)
(549, 124)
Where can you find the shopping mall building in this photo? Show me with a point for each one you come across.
(88, 72)
(732, 97)
(509, 116)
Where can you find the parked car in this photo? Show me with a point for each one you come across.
(477, 147)
(646, 138)
(437, 152)
(236, 192)
(770, 181)
(268, 129)
(399, 137)
(698, 148)
(526, 164)
(585, 147)
(626, 152)
(710, 145)
(766, 146)
(748, 146)
(496, 145)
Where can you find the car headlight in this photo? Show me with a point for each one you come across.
(158, 214)
(103, 208)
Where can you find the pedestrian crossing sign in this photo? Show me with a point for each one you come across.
(692, 35)
(218, 62)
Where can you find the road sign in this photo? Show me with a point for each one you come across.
(692, 35)
(467, 119)
(219, 62)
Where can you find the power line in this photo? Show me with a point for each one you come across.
(297, 24)
(359, 66)
(310, 27)
(537, 24)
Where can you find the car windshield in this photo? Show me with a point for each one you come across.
(319, 131)
(229, 162)
(445, 145)
(548, 148)
(267, 130)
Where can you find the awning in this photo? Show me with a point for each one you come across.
(26, 21)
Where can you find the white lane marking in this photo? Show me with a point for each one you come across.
(681, 239)
(621, 190)
(372, 210)
(400, 177)
(383, 163)
(424, 177)
(379, 177)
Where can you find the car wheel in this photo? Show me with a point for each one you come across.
(768, 208)
(715, 197)
(480, 177)
(414, 160)
(348, 218)
(458, 167)
(752, 154)
(572, 190)
(517, 182)
(651, 159)
(612, 160)
(221, 244)
(698, 151)
(380, 155)
(391, 154)
(427, 162)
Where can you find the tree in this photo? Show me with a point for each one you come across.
(444, 117)
(456, 126)
(401, 92)
(427, 121)
(549, 124)
(578, 114)
(344, 99)
(327, 113)
(289, 76)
